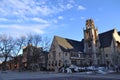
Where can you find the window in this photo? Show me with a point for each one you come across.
(55, 63)
(66, 54)
(74, 62)
(75, 54)
(59, 53)
(59, 62)
(49, 62)
(78, 55)
(52, 63)
(106, 55)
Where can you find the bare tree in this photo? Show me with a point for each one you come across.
(19, 43)
(35, 41)
(11, 47)
(17, 58)
(45, 44)
(6, 46)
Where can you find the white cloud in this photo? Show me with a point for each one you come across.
(69, 6)
(3, 19)
(39, 20)
(19, 30)
(71, 19)
(82, 17)
(55, 21)
(26, 7)
(80, 7)
(60, 17)
(24, 10)
(71, 1)
(38, 31)
(32, 12)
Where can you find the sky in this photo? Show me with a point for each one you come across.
(65, 18)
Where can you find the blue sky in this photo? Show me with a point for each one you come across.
(64, 18)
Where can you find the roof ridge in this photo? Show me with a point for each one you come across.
(67, 38)
(107, 31)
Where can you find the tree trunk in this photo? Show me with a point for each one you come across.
(4, 67)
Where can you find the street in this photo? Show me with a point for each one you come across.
(70, 78)
(15, 75)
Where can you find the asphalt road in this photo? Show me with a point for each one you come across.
(14, 75)
(71, 78)
(1, 78)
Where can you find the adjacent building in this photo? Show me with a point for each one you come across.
(64, 52)
(34, 57)
(15, 63)
(110, 47)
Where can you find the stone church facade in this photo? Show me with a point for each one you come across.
(94, 49)
(101, 48)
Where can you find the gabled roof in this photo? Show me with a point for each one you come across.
(106, 38)
(119, 32)
(69, 45)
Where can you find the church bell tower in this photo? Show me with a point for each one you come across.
(91, 44)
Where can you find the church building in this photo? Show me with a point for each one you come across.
(93, 50)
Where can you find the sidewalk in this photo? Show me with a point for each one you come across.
(11, 75)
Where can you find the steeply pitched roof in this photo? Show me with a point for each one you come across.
(119, 32)
(106, 38)
(69, 45)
